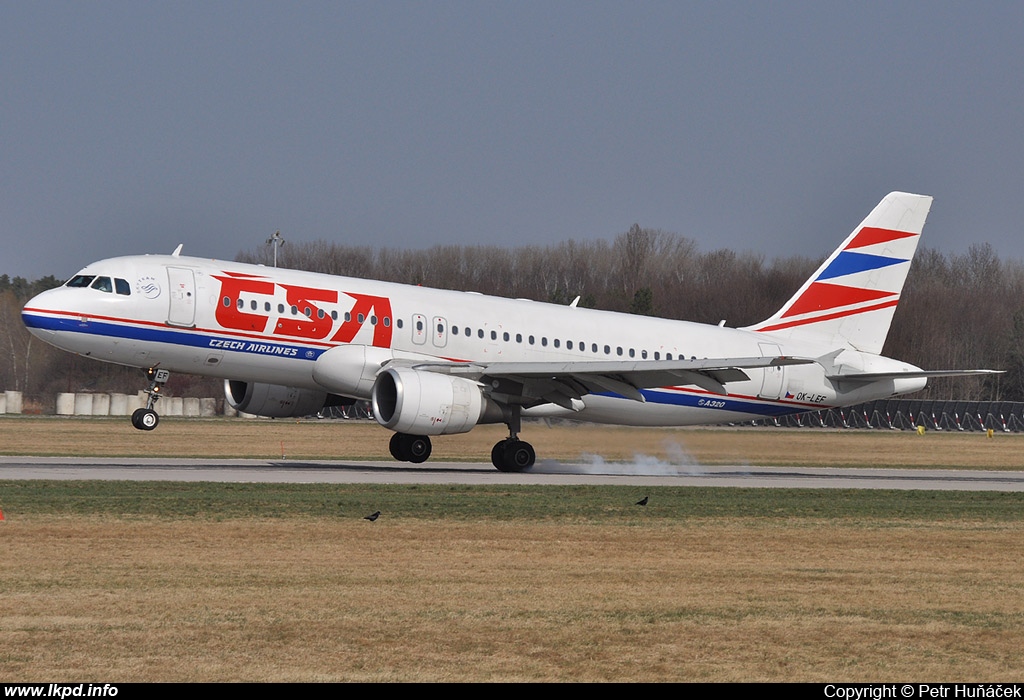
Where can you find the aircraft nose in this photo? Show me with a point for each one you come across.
(34, 315)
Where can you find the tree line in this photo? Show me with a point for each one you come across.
(958, 310)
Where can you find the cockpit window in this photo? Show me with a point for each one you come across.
(122, 287)
(103, 284)
(81, 280)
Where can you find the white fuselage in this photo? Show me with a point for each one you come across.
(268, 325)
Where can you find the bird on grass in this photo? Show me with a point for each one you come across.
(642, 501)
(372, 516)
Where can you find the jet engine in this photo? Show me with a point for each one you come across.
(428, 403)
(275, 401)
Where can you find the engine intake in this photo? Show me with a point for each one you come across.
(427, 403)
(275, 401)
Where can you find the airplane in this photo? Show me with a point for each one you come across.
(437, 362)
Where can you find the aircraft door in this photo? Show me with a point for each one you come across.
(440, 329)
(774, 377)
(182, 285)
(419, 329)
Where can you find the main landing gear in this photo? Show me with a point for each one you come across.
(410, 448)
(513, 454)
(146, 418)
(508, 455)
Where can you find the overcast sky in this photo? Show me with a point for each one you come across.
(767, 127)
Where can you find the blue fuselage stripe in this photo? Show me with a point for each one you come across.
(196, 339)
(199, 339)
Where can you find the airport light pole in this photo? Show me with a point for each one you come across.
(277, 241)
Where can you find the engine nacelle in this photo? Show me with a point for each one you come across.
(350, 370)
(427, 403)
(272, 400)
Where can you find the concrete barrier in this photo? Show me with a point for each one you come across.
(119, 405)
(65, 404)
(12, 402)
(83, 404)
(171, 406)
(101, 404)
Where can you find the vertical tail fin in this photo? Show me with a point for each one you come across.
(852, 297)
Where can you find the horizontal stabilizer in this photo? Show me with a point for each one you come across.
(878, 376)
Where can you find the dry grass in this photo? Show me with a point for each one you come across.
(265, 439)
(309, 598)
(312, 600)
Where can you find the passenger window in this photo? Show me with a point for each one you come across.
(122, 287)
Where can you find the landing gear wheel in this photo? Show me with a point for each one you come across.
(513, 455)
(395, 447)
(418, 448)
(145, 419)
(410, 448)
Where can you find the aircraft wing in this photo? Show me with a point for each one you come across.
(561, 382)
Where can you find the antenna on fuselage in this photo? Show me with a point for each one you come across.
(277, 241)
(177, 251)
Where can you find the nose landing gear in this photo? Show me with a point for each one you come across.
(147, 418)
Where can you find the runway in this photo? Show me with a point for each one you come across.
(547, 472)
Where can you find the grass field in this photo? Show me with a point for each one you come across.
(115, 581)
(363, 440)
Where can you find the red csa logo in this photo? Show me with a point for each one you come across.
(304, 315)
